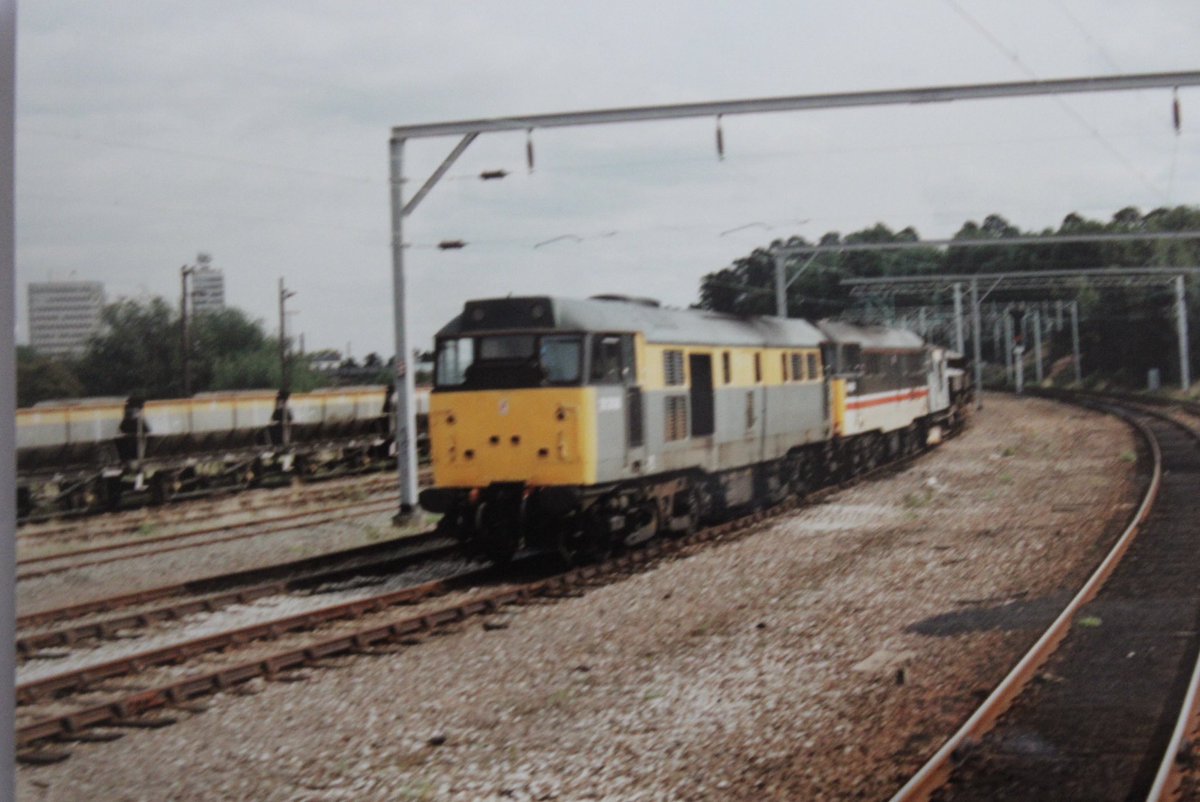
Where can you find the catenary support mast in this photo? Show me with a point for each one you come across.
(469, 129)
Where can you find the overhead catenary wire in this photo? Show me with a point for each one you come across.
(1095, 43)
(1012, 56)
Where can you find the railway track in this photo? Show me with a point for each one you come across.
(198, 512)
(50, 564)
(1090, 711)
(294, 570)
(63, 708)
(49, 686)
(218, 492)
(69, 627)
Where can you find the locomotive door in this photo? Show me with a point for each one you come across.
(700, 368)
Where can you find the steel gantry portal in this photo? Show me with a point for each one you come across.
(1040, 280)
(468, 130)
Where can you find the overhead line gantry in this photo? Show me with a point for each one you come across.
(469, 130)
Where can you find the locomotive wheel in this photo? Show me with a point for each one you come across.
(163, 488)
(497, 531)
(584, 540)
(690, 508)
(112, 493)
(82, 499)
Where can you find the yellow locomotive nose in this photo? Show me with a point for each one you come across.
(538, 436)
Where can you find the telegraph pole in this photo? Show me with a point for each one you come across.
(285, 379)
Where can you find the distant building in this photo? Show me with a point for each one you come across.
(63, 315)
(208, 290)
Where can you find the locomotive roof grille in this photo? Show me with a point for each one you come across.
(870, 337)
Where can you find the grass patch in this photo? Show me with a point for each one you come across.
(146, 529)
(556, 700)
(418, 791)
(916, 500)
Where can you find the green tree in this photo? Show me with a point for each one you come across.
(222, 336)
(137, 353)
(1123, 331)
(41, 378)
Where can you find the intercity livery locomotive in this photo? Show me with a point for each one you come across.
(584, 425)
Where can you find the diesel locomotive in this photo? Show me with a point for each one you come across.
(585, 425)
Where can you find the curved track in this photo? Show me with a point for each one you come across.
(1089, 711)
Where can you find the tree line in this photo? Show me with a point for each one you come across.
(139, 352)
(1123, 331)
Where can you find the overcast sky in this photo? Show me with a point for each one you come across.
(257, 132)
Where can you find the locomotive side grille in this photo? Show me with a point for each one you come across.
(673, 367)
(635, 428)
(676, 427)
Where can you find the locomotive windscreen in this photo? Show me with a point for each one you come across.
(508, 360)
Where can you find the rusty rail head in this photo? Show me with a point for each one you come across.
(209, 584)
(937, 769)
(1169, 778)
(181, 546)
(71, 681)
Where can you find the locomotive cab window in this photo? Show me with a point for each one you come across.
(559, 358)
(851, 359)
(453, 359)
(613, 359)
(508, 360)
